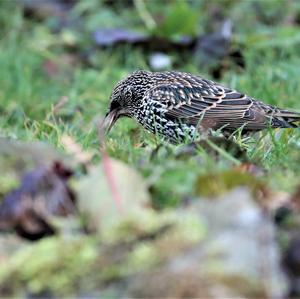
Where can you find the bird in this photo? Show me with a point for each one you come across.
(181, 106)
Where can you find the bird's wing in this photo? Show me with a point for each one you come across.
(193, 100)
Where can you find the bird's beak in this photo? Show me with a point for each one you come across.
(110, 119)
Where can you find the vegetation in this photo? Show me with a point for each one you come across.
(58, 68)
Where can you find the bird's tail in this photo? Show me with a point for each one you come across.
(286, 119)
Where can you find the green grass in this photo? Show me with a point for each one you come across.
(35, 75)
(28, 95)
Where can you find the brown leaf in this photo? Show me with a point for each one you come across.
(250, 168)
(60, 65)
(43, 9)
(295, 200)
(43, 192)
(291, 263)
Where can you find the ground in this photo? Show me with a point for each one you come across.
(56, 78)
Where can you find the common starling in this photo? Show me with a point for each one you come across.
(180, 106)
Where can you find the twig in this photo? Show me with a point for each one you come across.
(108, 168)
(75, 149)
(62, 101)
(144, 14)
(223, 153)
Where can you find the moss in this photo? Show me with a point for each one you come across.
(215, 184)
(53, 264)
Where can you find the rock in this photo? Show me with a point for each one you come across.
(238, 258)
(160, 61)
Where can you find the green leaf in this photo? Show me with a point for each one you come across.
(180, 20)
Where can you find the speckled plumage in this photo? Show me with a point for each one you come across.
(179, 105)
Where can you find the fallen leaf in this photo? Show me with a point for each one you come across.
(215, 51)
(110, 192)
(60, 65)
(43, 191)
(110, 36)
(213, 47)
(295, 200)
(291, 262)
(44, 9)
(251, 168)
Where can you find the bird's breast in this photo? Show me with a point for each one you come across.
(153, 118)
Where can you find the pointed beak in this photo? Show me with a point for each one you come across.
(110, 119)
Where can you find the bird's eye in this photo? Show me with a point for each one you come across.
(114, 105)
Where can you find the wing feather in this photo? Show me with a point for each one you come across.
(192, 98)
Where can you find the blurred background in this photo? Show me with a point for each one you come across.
(80, 49)
(197, 222)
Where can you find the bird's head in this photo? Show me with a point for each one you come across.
(127, 97)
